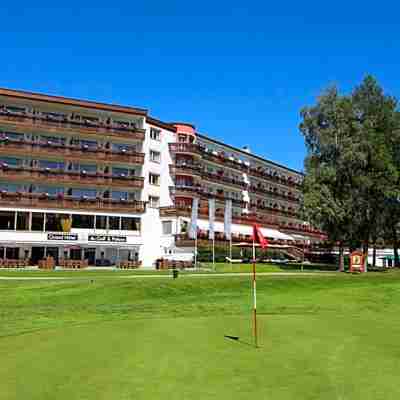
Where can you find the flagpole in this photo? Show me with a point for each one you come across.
(213, 253)
(254, 296)
(195, 250)
(230, 250)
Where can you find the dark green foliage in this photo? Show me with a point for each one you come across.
(352, 164)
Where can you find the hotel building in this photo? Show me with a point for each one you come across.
(110, 185)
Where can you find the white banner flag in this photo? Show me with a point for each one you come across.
(211, 218)
(228, 219)
(193, 220)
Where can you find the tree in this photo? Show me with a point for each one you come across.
(328, 128)
(351, 165)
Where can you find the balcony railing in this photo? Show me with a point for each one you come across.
(260, 173)
(186, 169)
(41, 175)
(223, 160)
(42, 200)
(271, 193)
(54, 124)
(185, 148)
(274, 211)
(308, 230)
(192, 191)
(26, 147)
(220, 178)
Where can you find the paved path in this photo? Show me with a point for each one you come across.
(190, 275)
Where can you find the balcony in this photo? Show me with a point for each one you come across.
(271, 193)
(222, 159)
(26, 120)
(60, 177)
(260, 173)
(186, 169)
(306, 230)
(37, 200)
(225, 180)
(198, 191)
(185, 148)
(274, 211)
(77, 153)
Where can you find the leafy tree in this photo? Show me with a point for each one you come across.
(352, 163)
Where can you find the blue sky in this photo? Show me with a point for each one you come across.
(240, 71)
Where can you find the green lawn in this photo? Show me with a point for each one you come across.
(322, 337)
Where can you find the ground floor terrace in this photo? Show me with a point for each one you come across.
(48, 255)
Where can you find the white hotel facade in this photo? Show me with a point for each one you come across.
(111, 185)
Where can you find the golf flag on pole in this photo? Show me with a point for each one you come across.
(211, 217)
(258, 237)
(228, 219)
(193, 220)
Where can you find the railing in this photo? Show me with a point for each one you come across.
(306, 229)
(182, 240)
(220, 178)
(271, 193)
(42, 200)
(190, 148)
(187, 168)
(29, 120)
(221, 159)
(68, 177)
(276, 211)
(26, 147)
(244, 219)
(273, 178)
(181, 190)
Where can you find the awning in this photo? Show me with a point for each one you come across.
(243, 229)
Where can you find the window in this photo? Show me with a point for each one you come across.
(130, 224)
(154, 201)
(56, 140)
(11, 161)
(122, 147)
(167, 227)
(82, 221)
(155, 134)
(79, 193)
(37, 221)
(122, 172)
(13, 136)
(7, 220)
(46, 164)
(154, 179)
(113, 223)
(101, 222)
(11, 187)
(88, 168)
(22, 221)
(155, 156)
(117, 195)
(50, 190)
(54, 222)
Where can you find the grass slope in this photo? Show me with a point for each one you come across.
(328, 337)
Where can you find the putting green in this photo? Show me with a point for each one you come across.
(322, 337)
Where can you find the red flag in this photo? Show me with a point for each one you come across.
(258, 237)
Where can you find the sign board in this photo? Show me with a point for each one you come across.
(107, 238)
(62, 236)
(357, 262)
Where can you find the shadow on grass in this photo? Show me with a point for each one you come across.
(237, 340)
